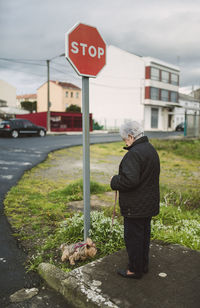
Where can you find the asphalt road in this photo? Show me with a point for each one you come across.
(17, 156)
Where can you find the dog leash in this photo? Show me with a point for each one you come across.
(114, 212)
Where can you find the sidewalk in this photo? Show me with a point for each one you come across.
(173, 281)
(102, 132)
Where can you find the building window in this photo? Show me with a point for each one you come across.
(154, 117)
(77, 95)
(66, 94)
(155, 74)
(164, 95)
(174, 97)
(3, 103)
(165, 76)
(155, 93)
(72, 94)
(174, 79)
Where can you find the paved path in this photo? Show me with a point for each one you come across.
(17, 156)
(173, 280)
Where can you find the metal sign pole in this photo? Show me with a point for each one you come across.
(48, 100)
(86, 155)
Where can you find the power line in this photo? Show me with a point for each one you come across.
(60, 71)
(20, 71)
(12, 59)
(21, 62)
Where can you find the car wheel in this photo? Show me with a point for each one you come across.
(42, 133)
(14, 134)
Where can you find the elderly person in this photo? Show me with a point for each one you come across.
(138, 186)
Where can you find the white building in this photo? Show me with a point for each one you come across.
(133, 87)
(8, 107)
(188, 105)
(7, 94)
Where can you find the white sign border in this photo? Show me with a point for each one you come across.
(67, 45)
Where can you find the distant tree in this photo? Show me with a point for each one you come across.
(96, 125)
(30, 106)
(73, 108)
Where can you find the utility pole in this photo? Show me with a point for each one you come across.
(48, 102)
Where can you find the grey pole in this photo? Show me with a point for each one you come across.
(86, 155)
(48, 102)
(185, 124)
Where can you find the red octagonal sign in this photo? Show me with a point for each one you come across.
(85, 49)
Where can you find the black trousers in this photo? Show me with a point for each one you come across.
(137, 232)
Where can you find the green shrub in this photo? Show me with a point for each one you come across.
(189, 198)
(108, 238)
(176, 225)
(74, 191)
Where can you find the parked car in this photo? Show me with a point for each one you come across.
(20, 127)
(180, 127)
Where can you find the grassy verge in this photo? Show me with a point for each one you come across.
(38, 210)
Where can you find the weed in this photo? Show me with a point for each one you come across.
(37, 208)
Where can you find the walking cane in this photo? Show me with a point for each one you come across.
(113, 216)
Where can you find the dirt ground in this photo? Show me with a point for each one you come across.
(67, 165)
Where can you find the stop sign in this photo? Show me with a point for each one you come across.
(85, 49)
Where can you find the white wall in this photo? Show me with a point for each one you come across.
(117, 94)
(8, 93)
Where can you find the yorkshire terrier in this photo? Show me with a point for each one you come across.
(78, 251)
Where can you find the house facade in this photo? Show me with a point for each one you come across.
(25, 98)
(196, 94)
(7, 94)
(132, 87)
(188, 106)
(8, 106)
(61, 96)
(161, 94)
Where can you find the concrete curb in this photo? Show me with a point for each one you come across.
(172, 281)
(76, 286)
(94, 132)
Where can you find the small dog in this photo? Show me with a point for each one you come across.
(78, 251)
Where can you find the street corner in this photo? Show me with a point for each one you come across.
(81, 287)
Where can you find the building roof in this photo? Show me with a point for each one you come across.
(150, 60)
(66, 85)
(186, 97)
(27, 96)
(12, 110)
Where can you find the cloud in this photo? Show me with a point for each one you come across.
(35, 30)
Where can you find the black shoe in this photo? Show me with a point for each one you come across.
(124, 274)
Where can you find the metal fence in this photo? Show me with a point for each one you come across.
(192, 125)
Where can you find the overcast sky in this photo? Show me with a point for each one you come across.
(34, 30)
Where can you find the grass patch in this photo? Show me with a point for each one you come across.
(177, 225)
(37, 207)
(184, 148)
(74, 191)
